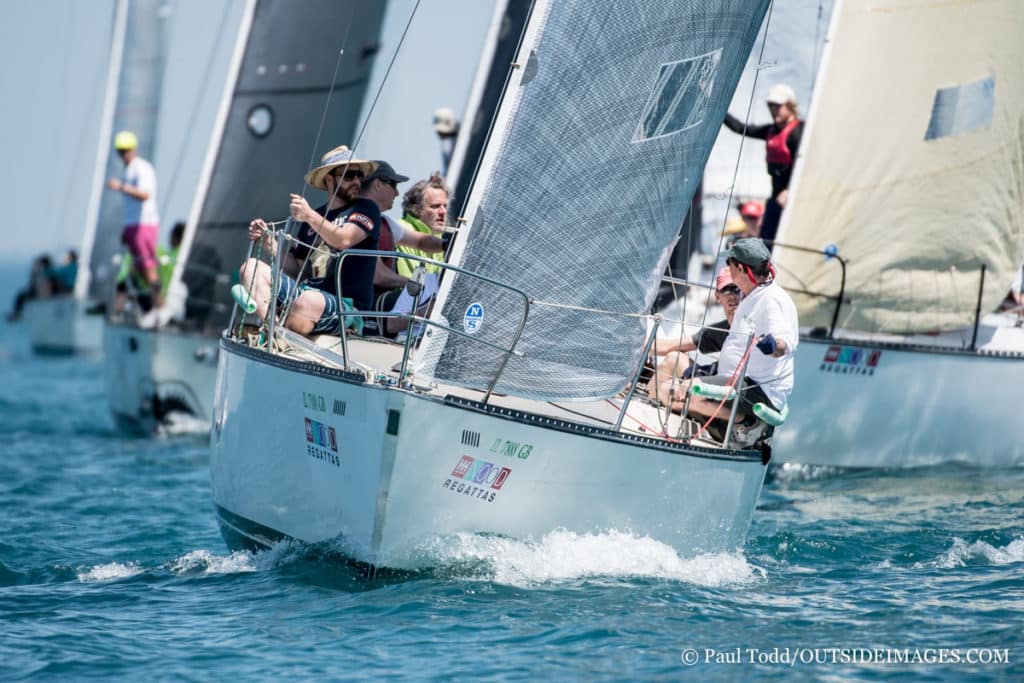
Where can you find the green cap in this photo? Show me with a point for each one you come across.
(750, 251)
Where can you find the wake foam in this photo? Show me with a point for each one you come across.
(199, 563)
(564, 555)
(205, 563)
(112, 571)
(796, 473)
(177, 423)
(961, 553)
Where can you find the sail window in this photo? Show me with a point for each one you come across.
(962, 109)
(680, 97)
(260, 120)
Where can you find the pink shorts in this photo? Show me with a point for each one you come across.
(141, 242)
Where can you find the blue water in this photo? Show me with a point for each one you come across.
(111, 566)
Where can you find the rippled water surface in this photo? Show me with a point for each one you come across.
(111, 566)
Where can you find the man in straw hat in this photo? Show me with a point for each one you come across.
(766, 312)
(141, 220)
(309, 271)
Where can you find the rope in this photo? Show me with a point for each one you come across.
(729, 385)
(662, 433)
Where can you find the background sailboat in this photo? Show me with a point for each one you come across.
(61, 324)
(173, 368)
(912, 172)
(276, 81)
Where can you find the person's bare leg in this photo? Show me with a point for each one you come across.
(155, 286)
(674, 363)
(255, 276)
(305, 312)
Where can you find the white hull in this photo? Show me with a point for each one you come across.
(60, 325)
(152, 374)
(311, 453)
(863, 404)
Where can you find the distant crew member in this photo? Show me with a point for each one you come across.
(141, 220)
(782, 143)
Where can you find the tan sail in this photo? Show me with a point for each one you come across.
(912, 166)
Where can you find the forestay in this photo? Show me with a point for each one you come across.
(912, 166)
(596, 151)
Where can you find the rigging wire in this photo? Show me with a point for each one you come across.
(275, 258)
(175, 174)
(359, 135)
(732, 188)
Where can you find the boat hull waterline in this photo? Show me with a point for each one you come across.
(60, 325)
(153, 374)
(384, 473)
(962, 406)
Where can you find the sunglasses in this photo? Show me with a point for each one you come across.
(730, 290)
(349, 175)
(387, 181)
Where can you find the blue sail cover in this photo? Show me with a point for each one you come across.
(597, 148)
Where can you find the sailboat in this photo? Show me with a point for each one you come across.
(511, 421)
(63, 324)
(275, 84)
(904, 230)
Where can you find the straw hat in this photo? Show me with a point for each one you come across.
(735, 226)
(340, 156)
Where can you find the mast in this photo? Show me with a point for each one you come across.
(92, 215)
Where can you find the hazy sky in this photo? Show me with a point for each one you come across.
(53, 57)
(53, 62)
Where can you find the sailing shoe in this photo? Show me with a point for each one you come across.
(746, 433)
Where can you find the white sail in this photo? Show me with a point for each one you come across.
(140, 24)
(912, 165)
(596, 151)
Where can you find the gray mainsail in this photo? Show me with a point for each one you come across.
(263, 148)
(597, 149)
(141, 65)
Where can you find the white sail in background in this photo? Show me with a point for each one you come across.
(912, 165)
(597, 149)
(140, 24)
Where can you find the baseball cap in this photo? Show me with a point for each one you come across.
(750, 251)
(723, 279)
(751, 209)
(386, 171)
(780, 93)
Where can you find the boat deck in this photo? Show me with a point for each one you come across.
(381, 359)
(998, 333)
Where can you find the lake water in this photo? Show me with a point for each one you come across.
(112, 566)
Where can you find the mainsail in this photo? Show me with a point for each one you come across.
(912, 165)
(137, 56)
(262, 149)
(596, 151)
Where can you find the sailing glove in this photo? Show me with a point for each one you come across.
(767, 345)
